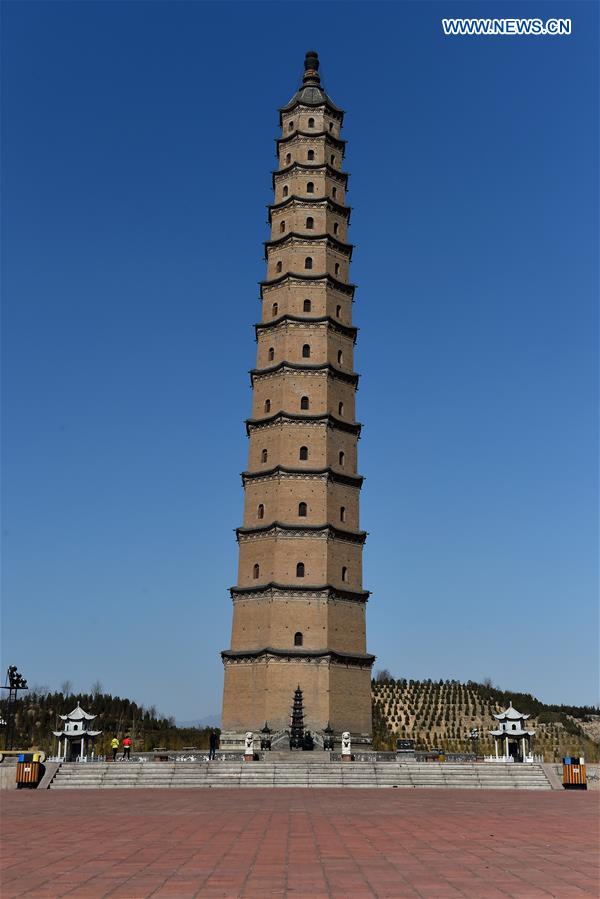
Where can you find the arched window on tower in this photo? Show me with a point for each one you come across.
(338, 311)
(306, 306)
(304, 402)
(332, 159)
(285, 190)
(340, 357)
(303, 455)
(264, 455)
(310, 155)
(260, 512)
(310, 223)
(311, 123)
(279, 266)
(310, 188)
(271, 354)
(267, 405)
(300, 569)
(336, 227)
(308, 262)
(291, 126)
(342, 513)
(340, 409)
(274, 309)
(345, 574)
(342, 458)
(282, 226)
(337, 268)
(298, 639)
(334, 192)
(256, 571)
(306, 351)
(302, 510)
(288, 158)
(331, 126)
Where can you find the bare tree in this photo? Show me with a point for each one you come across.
(66, 688)
(39, 690)
(96, 688)
(383, 676)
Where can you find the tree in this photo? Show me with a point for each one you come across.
(66, 688)
(96, 688)
(383, 676)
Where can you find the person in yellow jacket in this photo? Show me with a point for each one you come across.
(114, 745)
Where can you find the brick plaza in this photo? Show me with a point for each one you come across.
(317, 843)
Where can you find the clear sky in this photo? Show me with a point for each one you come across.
(137, 149)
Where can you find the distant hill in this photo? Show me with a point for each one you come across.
(437, 714)
(207, 721)
(38, 715)
(441, 714)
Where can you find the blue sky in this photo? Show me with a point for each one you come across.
(137, 150)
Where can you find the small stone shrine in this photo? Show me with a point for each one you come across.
(76, 740)
(297, 721)
(511, 736)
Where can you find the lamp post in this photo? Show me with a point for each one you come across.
(328, 737)
(474, 735)
(14, 683)
(265, 740)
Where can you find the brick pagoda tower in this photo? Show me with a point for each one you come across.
(299, 604)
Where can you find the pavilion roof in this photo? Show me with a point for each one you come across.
(512, 733)
(78, 714)
(511, 714)
(76, 734)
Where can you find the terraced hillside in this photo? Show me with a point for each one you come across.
(441, 714)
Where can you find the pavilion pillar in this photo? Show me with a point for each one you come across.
(496, 746)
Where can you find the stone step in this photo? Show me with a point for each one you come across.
(297, 772)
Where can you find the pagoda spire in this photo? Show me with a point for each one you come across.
(311, 68)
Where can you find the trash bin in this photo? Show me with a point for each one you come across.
(574, 776)
(29, 770)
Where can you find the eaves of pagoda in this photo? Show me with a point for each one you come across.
(348, 289)
(332, 371)
(337, 477)
(304, 530)
(351, 427)
(345, 248)
(335, 325)
(351, 658)
(327, 589)
(336, 174)
(338, 142)
(314, 201)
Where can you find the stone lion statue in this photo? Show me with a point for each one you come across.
(346, 743)
(249, 743)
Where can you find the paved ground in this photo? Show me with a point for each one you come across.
(305, 843)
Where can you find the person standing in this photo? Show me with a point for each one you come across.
(212, 744)
(127, 747)
(114, 745)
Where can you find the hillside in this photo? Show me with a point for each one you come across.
(437, 714)
(37, 716)
(441, 714)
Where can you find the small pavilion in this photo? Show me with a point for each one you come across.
(76, 739)
(512, 737)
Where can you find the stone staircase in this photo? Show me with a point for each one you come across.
(294, 772)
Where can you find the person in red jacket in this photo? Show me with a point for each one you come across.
(127, 747)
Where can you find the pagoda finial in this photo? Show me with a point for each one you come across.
(311, 68)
